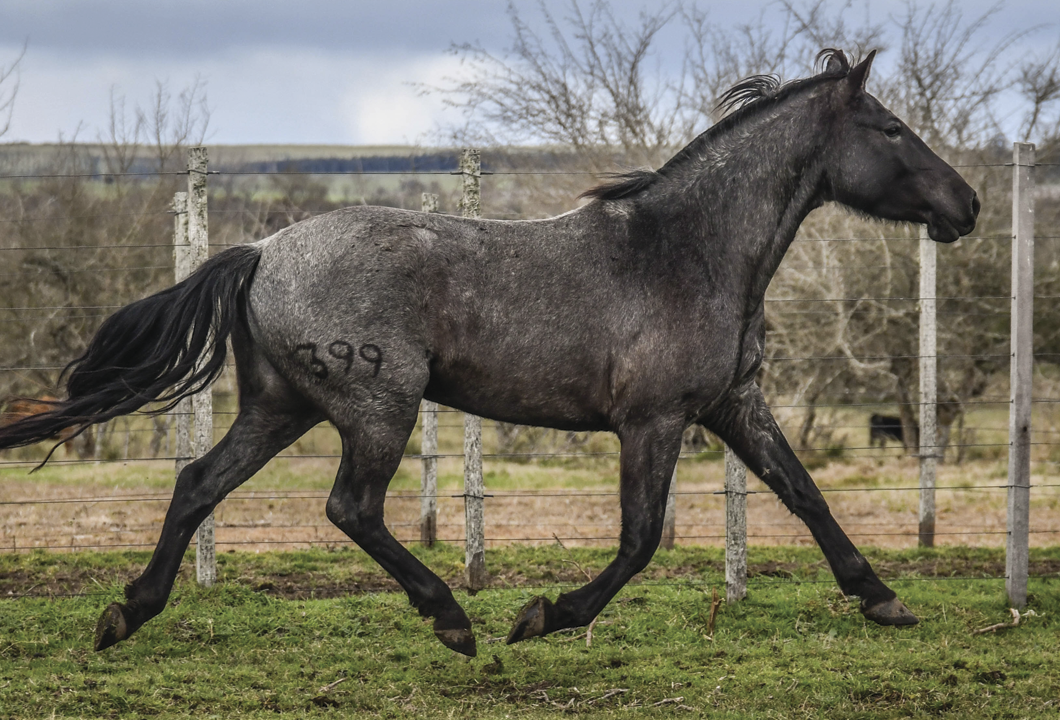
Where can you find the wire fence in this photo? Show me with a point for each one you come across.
(872, 486)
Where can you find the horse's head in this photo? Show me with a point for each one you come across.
(879, 166)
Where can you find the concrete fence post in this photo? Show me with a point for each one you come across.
(202, 403)
(429, 445)
(735, 527)
(928, 389)
(181, 270)
(1020, 373)
(474, 486)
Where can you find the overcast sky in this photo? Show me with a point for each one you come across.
(312, 71)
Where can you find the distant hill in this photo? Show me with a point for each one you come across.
(27, 159)
(91, 158)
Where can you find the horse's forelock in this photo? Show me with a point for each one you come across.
(831, 61)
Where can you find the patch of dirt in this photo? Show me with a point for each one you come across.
(73, 517)
(316, 586)
(58, 579)
(92, 515)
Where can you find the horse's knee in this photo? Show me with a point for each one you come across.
(349, 517)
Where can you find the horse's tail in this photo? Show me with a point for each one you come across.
(159, 349)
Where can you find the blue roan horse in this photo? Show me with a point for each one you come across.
(639, 313)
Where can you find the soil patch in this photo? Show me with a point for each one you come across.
(58, 580)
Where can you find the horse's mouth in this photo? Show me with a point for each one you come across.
(941, 229)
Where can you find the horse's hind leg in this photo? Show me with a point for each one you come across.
(747, 426)
(372, 447)
(267, 423)
(649, 454)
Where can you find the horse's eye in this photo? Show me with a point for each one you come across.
(893, 131)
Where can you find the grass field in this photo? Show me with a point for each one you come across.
(324, 632)
(320, 633)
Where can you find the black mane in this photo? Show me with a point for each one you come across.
(623, 184)
(747, 91)
(831, 63)
(738, 101)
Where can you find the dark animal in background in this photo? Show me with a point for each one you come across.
(888, 427)
(579, 322)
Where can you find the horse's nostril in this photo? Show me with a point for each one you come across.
(975, 204)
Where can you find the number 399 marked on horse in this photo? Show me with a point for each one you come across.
(339, 350)
(579, 322)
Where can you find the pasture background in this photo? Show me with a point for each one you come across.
(299, 608)
(84, 233)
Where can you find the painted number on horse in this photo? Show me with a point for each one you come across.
(338, 350)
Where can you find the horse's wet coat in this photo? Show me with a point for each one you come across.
(639, 313)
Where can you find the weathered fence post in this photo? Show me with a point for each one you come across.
(429, 446)
(474, 487)
(735, 527)
(181, 270)
(201, 403)
(928, 389)
(1020, 373)
(669, 532)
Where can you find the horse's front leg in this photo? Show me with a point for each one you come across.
(649, 453)
(747, 426)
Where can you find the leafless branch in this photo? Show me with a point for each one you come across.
(9, 83)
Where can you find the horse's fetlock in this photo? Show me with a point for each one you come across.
(568, 614)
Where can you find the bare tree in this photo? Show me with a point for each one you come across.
(160, 131)
(9, 82)
(588, 83)
(61, 234)
(948, 81)
(168, 128)
(715, 58)
(1039, 83)
(581, 84)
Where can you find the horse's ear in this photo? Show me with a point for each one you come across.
(855, 80)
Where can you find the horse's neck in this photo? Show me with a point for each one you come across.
(755, 191)
(777, 226)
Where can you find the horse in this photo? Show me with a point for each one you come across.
(639, 313)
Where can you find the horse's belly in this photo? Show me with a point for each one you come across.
(562, 403)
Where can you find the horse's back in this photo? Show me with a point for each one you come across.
(434, 297)
(555, 322)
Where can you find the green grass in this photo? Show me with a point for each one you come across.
(792, 649)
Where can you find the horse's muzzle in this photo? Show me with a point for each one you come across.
(946, 229)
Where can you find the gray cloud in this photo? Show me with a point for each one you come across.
(134, 28)
(311, 71)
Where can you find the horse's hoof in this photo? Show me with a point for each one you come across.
(462, 640)
(534, 619)
(111, 628)
(889, 612)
